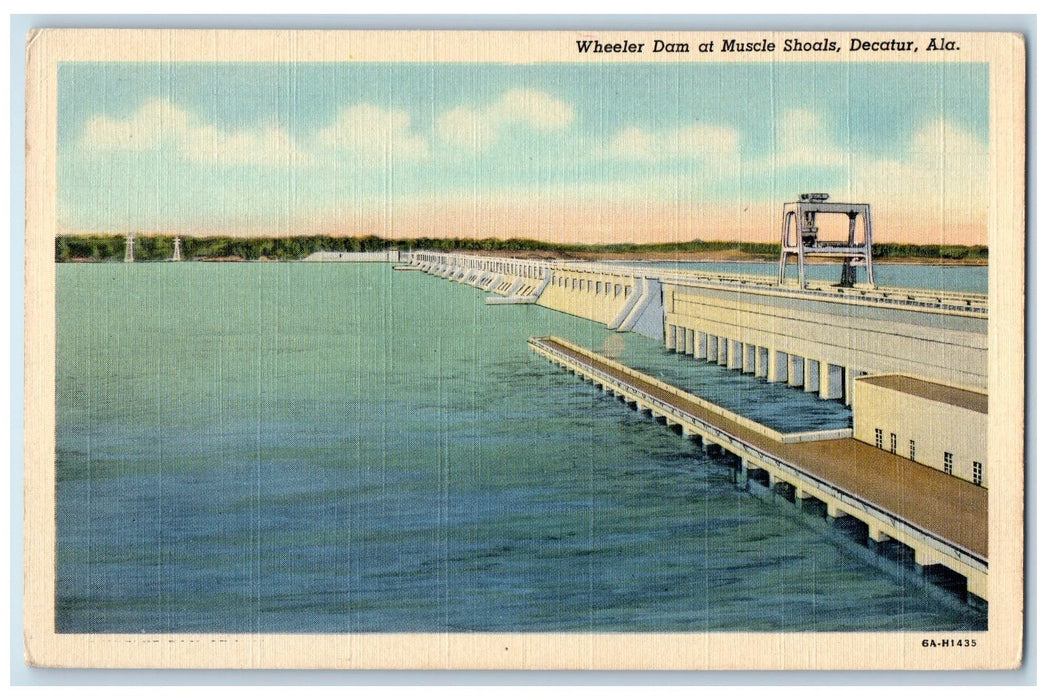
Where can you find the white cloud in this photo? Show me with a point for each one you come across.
(941, 169)
(937, 179)
(143, 130)
(940, 156)
(802, 139)
(477, 129)
(534, 108)
(700, 141)
(366, 133)
(158, 124)
(944, 170)
(266, 145)
(942, 137)
(463, 127)
(374, 134)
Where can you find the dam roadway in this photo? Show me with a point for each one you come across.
(942, 519)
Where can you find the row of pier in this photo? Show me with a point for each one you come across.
(913, 516)
(960, 302)
(829, 381)
(509, 283)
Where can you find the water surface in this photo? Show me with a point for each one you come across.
(345, 448)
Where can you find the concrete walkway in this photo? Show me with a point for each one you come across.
(952, 509)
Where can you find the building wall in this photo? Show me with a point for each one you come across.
(935, 427)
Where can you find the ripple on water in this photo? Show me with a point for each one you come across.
(342, 448)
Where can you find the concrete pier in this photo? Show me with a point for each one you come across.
(734, 355)
(811, 370)
(795, 372)
(863, 492)
(778, 370)
(762, 362)
(830, 381)
(749, 359)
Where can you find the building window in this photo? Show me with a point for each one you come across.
(879, 439)
(894, 443)
(978, 473)
(948, 463)
(912, 450)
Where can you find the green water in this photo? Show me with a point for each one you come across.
(345, 448)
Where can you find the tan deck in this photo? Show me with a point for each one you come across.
(950, 508)
(954, 396)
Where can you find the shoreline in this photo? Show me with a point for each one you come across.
(97, 247)
(732, 255)
(942, 262)
(743, 259)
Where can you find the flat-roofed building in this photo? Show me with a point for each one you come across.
(938, 425)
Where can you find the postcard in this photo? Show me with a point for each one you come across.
(524, 350)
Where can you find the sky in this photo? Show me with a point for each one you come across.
(613, 152)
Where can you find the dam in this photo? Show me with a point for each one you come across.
(820, 337)
(911, 474)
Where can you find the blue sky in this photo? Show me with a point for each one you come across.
(642, 151)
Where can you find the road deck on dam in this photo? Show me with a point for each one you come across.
(950, 508)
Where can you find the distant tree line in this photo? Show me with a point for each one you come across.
(104, 248)
(946, 252)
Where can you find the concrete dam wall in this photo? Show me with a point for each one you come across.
(819, 337)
